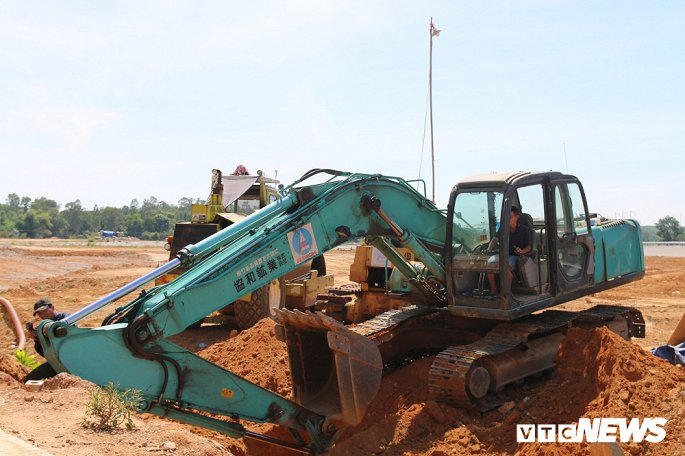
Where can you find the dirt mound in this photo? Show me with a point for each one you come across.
(601, 375)
(64, 380)
(26, 291)
(403, 420)
(255, 354)
(10, 366)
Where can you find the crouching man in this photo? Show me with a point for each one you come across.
(45, 311)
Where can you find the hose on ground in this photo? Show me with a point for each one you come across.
(18, 328)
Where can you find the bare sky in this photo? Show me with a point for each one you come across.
(110, 101)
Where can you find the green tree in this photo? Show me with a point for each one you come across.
(8, 221)
(13, 200)
(25, 203)
(95, 219)
(36, 224)
(668, 228)
(149, 204)
(162, 223)
(134, 225)
(74, 215)
(44, 205)
(60, 226)
(112, 219)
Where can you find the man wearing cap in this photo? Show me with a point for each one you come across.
(519, 244)
(46, 311)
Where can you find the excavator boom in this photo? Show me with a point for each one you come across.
(132, 351)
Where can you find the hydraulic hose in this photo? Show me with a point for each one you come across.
(315, 171)
(18, 328)
(132, 342)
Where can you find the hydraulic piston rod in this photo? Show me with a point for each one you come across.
(408, 240)
(201, 249)
(123, 291)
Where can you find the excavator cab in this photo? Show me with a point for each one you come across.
(560, 264)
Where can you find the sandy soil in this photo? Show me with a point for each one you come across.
(600, 375)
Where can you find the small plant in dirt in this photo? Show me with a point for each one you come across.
(108, 408)
(27, 360)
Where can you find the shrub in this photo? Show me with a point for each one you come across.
(27, 360)
(110, 407)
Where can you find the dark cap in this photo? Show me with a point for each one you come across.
(41, 304)
(515, 210)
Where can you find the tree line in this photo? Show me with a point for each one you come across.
(22, 217)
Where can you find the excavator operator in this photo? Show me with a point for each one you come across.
(519, 244)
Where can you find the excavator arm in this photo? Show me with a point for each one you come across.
(131, 349)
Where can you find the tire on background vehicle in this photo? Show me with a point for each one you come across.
(262, 301)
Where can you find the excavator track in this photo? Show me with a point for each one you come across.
(466, 375)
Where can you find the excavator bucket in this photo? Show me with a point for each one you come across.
(336, 372)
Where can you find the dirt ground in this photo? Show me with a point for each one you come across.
(600, 375)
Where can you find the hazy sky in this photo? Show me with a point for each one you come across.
(108, 101)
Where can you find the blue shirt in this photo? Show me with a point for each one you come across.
(61, 316)
(519, 238)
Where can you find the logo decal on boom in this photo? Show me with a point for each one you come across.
(303, 243)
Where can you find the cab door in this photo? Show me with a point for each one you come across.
(574, 243)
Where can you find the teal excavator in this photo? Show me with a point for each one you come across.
(483, 341)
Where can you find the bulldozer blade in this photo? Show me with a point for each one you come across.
(678, 336)
(335, 371)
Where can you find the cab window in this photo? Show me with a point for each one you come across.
(571, 221)
(570, 211)
(476, 218)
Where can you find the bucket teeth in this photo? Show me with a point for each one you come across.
(307, 320)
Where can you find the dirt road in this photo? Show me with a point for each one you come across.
(402, 420)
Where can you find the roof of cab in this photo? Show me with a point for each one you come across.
(502, 179)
